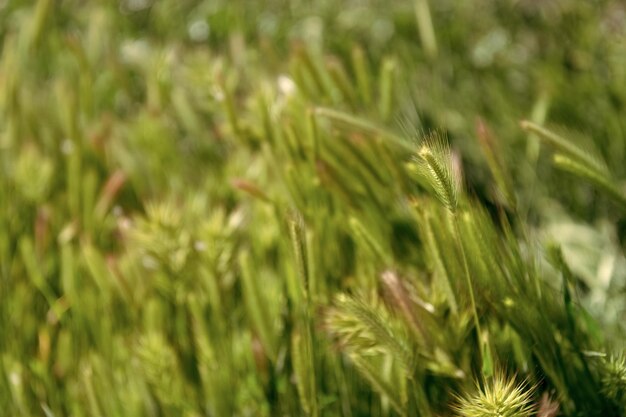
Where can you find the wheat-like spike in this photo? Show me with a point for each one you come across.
(378, 325)
(435, 162)
(367, 329)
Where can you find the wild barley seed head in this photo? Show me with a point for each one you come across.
(499, 396)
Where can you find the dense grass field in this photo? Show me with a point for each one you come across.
(312, 208)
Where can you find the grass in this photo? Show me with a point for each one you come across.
(282, 208)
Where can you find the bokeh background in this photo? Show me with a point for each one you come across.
(156, 157)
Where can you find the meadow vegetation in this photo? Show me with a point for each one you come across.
(312, 208)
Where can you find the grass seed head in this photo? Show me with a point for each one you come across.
(499, 396)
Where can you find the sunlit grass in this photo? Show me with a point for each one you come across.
(312, 208)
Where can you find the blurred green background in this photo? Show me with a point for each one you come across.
(174, 174)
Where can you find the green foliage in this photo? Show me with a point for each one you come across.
(231, 208)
